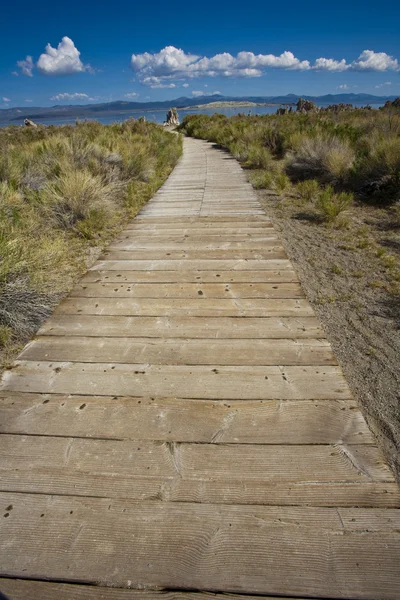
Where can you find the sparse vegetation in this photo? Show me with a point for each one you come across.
(63, 192)
(308, 190)
(331, 205)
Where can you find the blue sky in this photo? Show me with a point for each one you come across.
(102, 51)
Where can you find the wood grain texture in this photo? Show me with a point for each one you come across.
(183, 420)
(208, 382)
(196, 307)
(268, 550)
(188, 290)
(184, 327)
(180, 352)
(184, 253)
(285, 276)
(192, 265)
(20, 589)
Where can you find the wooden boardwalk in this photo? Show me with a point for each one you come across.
(180, 423)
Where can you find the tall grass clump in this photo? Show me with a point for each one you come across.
(331, 205)
(63, 191)
(327, 158)
(308, 189)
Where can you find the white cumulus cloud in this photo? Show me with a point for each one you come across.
(197, 93)
(329, 64)
(173, 64)
(131, 95)
(6, 99)
(63, 60)
(26, 66)
(68, 96)
(381, 85)
(185, 85)
(375, 61)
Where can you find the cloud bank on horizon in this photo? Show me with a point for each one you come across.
(159, 69)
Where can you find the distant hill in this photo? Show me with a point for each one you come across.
(122, 107)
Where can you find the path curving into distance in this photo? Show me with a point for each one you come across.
(180, 423)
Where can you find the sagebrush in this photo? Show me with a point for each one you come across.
(64, 190)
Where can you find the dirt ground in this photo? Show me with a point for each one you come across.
(350, 275)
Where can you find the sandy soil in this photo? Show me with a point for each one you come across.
(349, 275)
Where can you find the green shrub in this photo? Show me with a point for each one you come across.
(258, 157)
(282, 182)
(331, 205)
(262, 180)
(308, 190)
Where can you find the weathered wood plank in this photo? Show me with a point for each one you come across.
(169, 460)
(25, 589)
(219, 383)
(284, 276)
(184, 327)
(189, 461)
(232, 218)
(192, 265)
(167, 252)
(175, 419)
(264, 550)
(188, 290)
(224, 229)
(384, 494)
(196, 307)
(197, 226)
(180, 352)
(231, 241)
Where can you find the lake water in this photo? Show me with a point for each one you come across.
(158, 116)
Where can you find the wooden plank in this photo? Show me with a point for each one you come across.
(25, 589)
(184, 327)
(264, 550)
(191, 239)
(62, 481)
(176, 254)
(180, 352)
(273, 246)
(284, 276)
(219, 383)
(188, 290)
(197, 307)
(233, 218)
(54, 456)
(136, 227)
(197, 226)
(199, 234)
(175, 419)
(192, 265)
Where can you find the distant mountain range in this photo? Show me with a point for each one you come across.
(121, 107)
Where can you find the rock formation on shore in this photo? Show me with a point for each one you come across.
(305, 106)
(392, 104)
(172, 119)
(29, 123)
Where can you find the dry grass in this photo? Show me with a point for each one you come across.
(64, 191)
